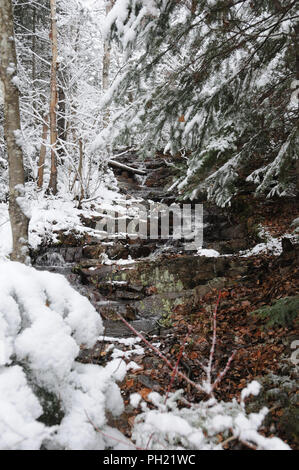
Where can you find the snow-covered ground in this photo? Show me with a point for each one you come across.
(43, 324)
(271, 245)
(49, 215)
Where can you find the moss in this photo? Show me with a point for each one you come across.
(290, 424)
(165, 320)
(280, 394)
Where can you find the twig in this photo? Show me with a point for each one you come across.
(212, 351)
(176, 368)
(223, 373)
(107, 435)
(151, 346)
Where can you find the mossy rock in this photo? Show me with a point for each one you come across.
(279, 393)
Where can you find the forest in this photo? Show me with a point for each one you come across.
(149, 226)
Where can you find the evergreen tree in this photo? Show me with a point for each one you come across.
(217, 79)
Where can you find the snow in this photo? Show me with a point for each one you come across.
(198, 426)
(125, 341)
(208, 253)
(168, 423)
(51, 215)
(19, 410)
(120, 262)
(271, 245)
(252, 389)
(5, 232)
(43, 323)
(135, 399)
(133, 366)
(127, 354)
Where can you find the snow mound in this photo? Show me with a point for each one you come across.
(43, 323)
(198, 427)
(209, 253)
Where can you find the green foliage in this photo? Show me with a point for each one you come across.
(282, 313)
(217, 79)
(165, 321)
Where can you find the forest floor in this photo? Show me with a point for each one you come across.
(184, 337)
(261, 353)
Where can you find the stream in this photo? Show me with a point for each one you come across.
(145, 279)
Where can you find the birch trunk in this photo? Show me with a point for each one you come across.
(53, 100)
(8, 69)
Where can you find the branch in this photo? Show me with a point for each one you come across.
(126, 167)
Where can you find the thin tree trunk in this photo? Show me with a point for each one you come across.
(78, 175)
(115, 164)
(8, 69)
(33, 55)
(61, 124)
(53, 101)
(106, 65)
(296, 44)
(42, 154)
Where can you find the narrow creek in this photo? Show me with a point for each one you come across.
(144, 280)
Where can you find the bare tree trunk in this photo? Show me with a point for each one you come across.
(42, 154)
(8, 69)
(61, 125)
(296, 44)
(33, 54)
(78, 175)
(53, 100)
(106, 65)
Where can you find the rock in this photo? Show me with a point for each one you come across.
(286, 245)
(148, 382)
(90, 263)
(124, 294)
(140, 251)
(216, 283)
(118, 250)
(236, 231)
(93, 251)
(73, 254)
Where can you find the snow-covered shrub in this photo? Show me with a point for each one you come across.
(47, 399)
(208, 425)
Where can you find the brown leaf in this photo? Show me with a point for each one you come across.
(131, 421)
(129, 383)
(144, 393)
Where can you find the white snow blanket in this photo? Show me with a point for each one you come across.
(43, 323)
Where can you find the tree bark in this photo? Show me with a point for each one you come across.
(42, 154)
(296, 44)
(61, 125)
(130, 169)
(53, 101)
(106, 65)
(33, 45)
(8, 70)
